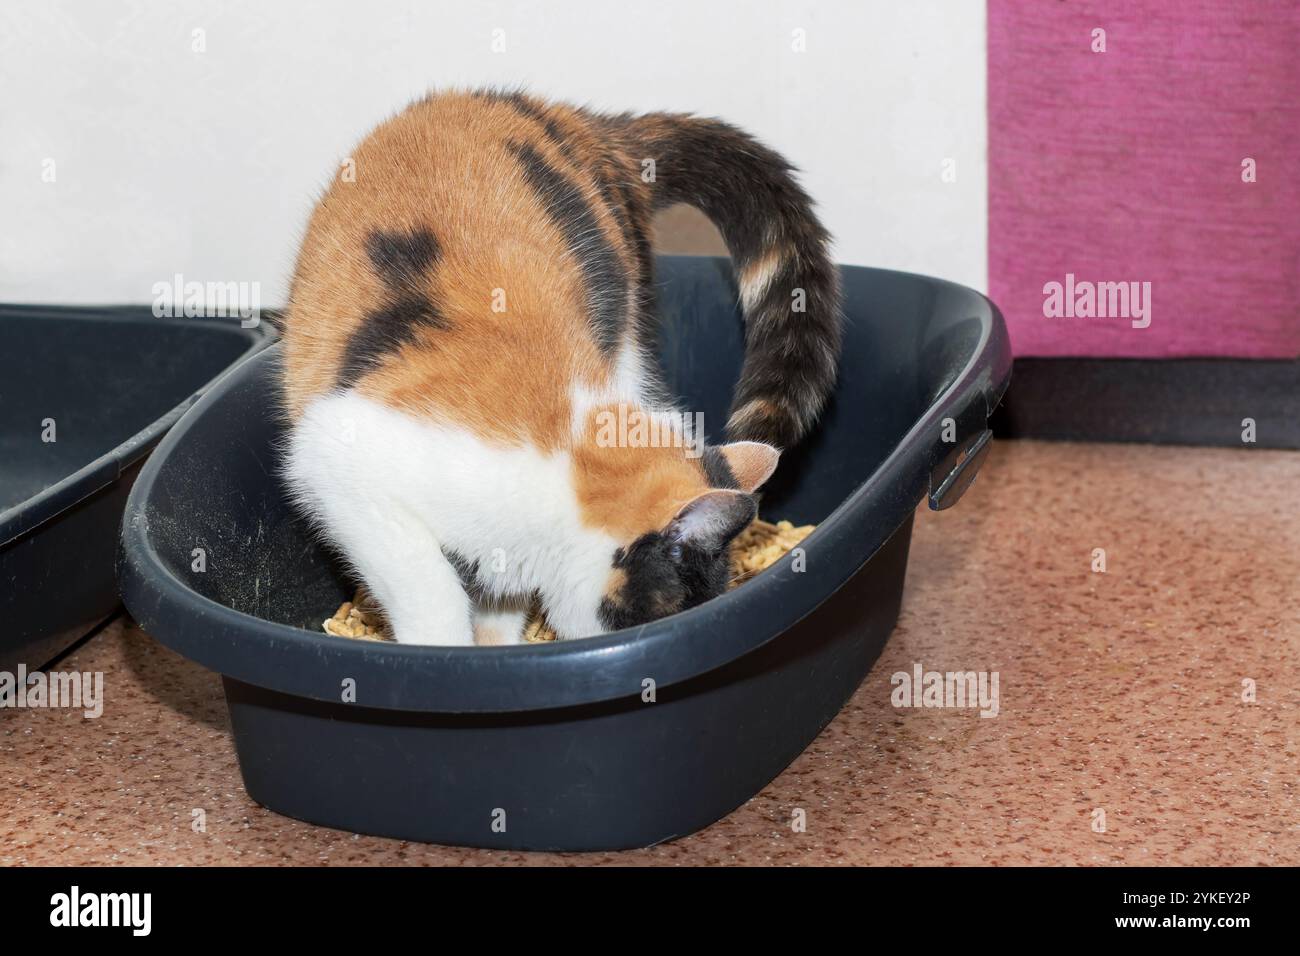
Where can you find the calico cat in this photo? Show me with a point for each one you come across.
(471, 305)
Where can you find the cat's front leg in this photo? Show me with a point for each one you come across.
(423, 599)
(421, 592)
(405, 570)
(382, 535)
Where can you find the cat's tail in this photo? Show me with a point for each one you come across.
(789, 286)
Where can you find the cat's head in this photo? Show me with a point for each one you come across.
(680, 555)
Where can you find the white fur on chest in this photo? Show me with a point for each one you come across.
(388, 488)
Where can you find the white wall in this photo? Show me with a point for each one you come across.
(206, 163)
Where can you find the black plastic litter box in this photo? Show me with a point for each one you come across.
(569, 746)
(85, 396)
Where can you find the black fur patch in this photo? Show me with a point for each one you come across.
(638, 220)
(518, 99)
(614, 193)
(536, 111)
(619, 195)
(686, 564)
(385, 331)
(466, 570)
(658, 583)
(716, 468)
(602, 271)
(401, 260)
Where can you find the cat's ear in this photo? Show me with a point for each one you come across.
(751, 462)
(711, 520)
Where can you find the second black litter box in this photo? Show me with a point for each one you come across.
(85, 396)
(557, 746)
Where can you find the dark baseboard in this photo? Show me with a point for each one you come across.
(1162, 401)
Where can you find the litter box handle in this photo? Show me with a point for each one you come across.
(960, 460)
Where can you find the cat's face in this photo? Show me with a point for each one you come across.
(682, 564)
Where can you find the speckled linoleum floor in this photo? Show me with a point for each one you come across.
(1121, 693)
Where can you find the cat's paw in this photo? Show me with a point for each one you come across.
(435, 633)
(499, 627)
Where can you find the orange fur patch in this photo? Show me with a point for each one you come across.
(755, 277)
(444, 165)
(759, 409)
(627, 489)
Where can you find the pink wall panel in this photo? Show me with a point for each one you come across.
(1126, 166)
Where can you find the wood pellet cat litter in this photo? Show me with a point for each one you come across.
(759, 546)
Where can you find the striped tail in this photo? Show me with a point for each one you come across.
(789, 287)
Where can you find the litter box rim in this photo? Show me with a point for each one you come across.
(554, 675)
(93, 476)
